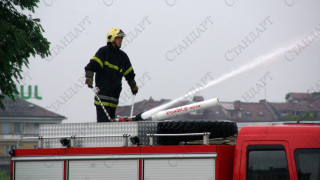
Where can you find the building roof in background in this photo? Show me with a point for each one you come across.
(299, 96)
(255, 112)
(23, 109)
(227, 105)
(295, 107)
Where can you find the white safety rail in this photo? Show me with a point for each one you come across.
(72, 139)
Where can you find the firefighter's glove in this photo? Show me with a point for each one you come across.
(133, 86)
(134, 90)
(89, 78)
(89, 82)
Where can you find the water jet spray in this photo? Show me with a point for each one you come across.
(259, 61)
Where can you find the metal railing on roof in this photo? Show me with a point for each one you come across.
(72, 139)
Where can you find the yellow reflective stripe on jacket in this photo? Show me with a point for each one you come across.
(112, 66)
(127, 71)
(105, 104)
(98, 61)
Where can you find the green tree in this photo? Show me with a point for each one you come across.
(307, 116)
(3, 175)
(20, 37)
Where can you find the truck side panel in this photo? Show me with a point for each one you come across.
(153, 162)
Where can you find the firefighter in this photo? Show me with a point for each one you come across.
(109, 65)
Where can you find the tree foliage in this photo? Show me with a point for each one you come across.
(4, 175)
(20, 37)
(307, 116)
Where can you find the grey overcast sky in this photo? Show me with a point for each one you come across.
(177, 46)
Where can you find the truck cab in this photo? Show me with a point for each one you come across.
(286, 152)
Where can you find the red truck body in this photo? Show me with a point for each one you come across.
(261, 152)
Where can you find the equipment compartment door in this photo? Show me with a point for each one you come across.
(181, 168)
(103, 169)
(39, 170)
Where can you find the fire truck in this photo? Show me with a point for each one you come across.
(151, 150)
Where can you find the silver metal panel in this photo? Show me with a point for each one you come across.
(104, 169)
(39, 170)
(147, 127)
(88, 129)
(179, 169)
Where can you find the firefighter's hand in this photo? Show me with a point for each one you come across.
(134, 89)
(133, 86)
(89, 82)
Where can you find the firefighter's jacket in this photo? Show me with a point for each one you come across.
(110, 64)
